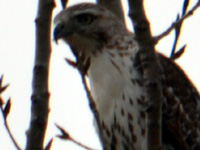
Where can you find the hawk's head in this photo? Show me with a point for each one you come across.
(86, 27)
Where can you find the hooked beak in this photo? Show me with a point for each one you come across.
(58, 32)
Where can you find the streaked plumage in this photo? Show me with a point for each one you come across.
(116, 81)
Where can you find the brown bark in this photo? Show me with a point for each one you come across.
(40, 93)
(152, 73)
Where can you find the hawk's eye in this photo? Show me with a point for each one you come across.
(85, 19)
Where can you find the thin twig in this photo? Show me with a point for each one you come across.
(66, 136)
(5, 111)
(93, 109)
(8, 129)
(80, 144)
(2, 88)
(82, 70)
(175, 24)
(64, 3)
(177, 35)
(177, 31)
(11, 136)
(49, 145)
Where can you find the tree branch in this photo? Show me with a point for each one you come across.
(152, 73)
(66, 136)
(176, 23)
(8, 129)
(82, 68)
(10, 134)
(93, 109)
(40, 94)
(5, 112)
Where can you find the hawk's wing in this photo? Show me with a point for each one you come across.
(181, 108)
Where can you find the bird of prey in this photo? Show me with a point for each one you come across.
(116, 81)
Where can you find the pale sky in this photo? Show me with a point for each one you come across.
(68, 103)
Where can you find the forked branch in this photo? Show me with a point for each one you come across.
(66, 136)
(5, 112)
(176, 23)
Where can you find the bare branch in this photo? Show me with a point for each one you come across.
(64, 3)
(80, 144)
(177, 32)
(2, 88)
(93, 109)
(7, 108)
(82, 68)
(5, 112)
(177, 23)
(48, 146)
(178, 53)
(1, 101)
(177, 35)
(152, 75)
(40, 95)
(65, 136)
(185, 7)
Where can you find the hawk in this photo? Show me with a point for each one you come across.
(116, 81)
